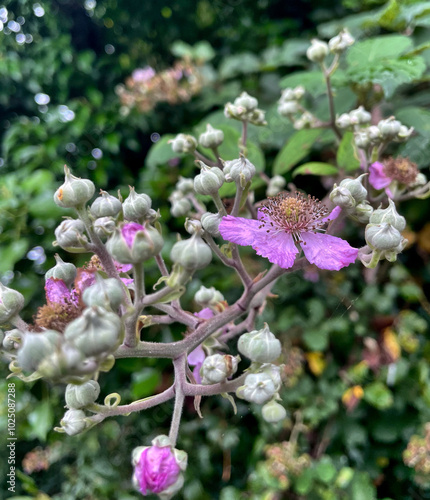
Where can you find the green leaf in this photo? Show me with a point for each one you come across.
(362, 487)
(377, 49)
(315, 168)
(297, 148)
(41, 420)
(346, 157)
(312, 81)
(181, 49)
(325, 470)
(316, 339)
(12, 253)
(378, 395)
(203, 51)
(239, 64)
(304, 482)
(145, 382)
(161, 152)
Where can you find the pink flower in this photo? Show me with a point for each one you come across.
(143, 74)
(196, 358)
(287, 223)
(58, 293)
(156, 469)
(129, 231)
(377, 177)
(391, 173)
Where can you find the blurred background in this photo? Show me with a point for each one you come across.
(102, 86)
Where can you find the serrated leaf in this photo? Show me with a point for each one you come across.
(239, 64)
(297, 148)
(346, 157)
(315, 168)
(377, 49)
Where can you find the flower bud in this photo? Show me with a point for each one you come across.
(305, 121)
(36, 347)
(361, 139)
(257, 117)
(260, 346)
(355, 187)
(96, 332)
(290, 94)
(360, 116)
(246, 101)
(70, 236)
(374, 134)
(136, 206)
(208, 296)
(79, 396)
(105, 205)
(64, 271)
(210, 223)
(158, 468)
(12, 340)
(318, 51)
(180, 208)
(104, 227)
(276, 185)
(420, 180)
(193, 226)
(73, 422)
(183, 143)
(382, 236)
(389, 215)
(241, 171)
(107, 293)
(259, 388)
(342, 197)
(63, 365)
(363, 211)
(11, 303)
(288, 108)
(212, 138)
(218, 367)
(404, 133)
(74, 192)
(343, 121)
(389, 128)
(209, 180)
(133, 243)
(273, 371)
(341, 42)
(191, 254)
(273, 412)
(185, 186)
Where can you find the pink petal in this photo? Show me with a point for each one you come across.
(327, 252)
(238, 229)
(122, 268)
(332, 215)
(377, 177)
(84, 279)
(56, 291)
(129, 231)
(277, 247)
(196, 356)
(205, 313)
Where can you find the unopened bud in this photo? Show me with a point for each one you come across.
(104, 227)
(36, 347)
(273, 412)
(180, 208)
(212, 138)
(374, 134)
(70, 236)
(288, 108)
(105, 205)
(241, 171)
(260, 346)
(318, 51)
(389, 215)
(355, 187)
(192, 254)
(360, 116)
(257, 117)
(217, 368)
(12, 340)
(209, 181)
(183, 143)
(64, 271)
(136, 206)
(259, 388)
(107, 293)
(74, 192)
(185, 186)
(11, 303)
(389, 128)
(363, 211)
(208, 296)
(361, 139)
(79, 396)
(343, 121)
(341, 42)
(404, 133)
(342, 197)
(73, 422)
(382, 236)
(305, 121)
(193, 226)
(246, 101)
(276, 185)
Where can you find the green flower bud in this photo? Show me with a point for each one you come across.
(355, 187)
(382, 236)
(185, 186)
(341, 42)
(260, 346)
(361, 139)
(36, 347)
(318, 51)
(420, 180)
(273, 412)
(342, 197)
(374, 134)
(212, 138)
(11, 303)
(389, 128)
(288, 108)
(389, 215)
(132, 243)
(180, 208)
(259, 388)
(343, 121)
(74, 192)
(305, 121)
(193, 226)
(236, 112)
(210, 223)
(360, 116)
(64, 271)
(136, 206)
(96, 332)
(257, 117)
(218, 367)
(107, 293)
(209, 181)
(79, 396)
(70, 236)
(12, 340)
(183, 143)
(246, 101)
(363, 211)
(105, 205)
(276, 185)
(73, 422)
(104, 227)
(241, 171)
(191, 254)
(63, 364)
(208, 296)
(404, 133)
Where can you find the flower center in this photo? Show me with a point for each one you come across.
(401, 170)
(294, 214)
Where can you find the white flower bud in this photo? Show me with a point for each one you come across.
(389, 128)
(360, 116)
(288, 108)
(79, 396)
(210, 223)
(104, 227)
(107, 293)
(180, 208)
(276, 185)
(193, 226)
(318, 51)
(342, 197)
(259, 388)
(389, 215)
(64, 271)
(241, 171)
(191, 254)
(70, 236)
(218, 367)
(305, 121)
(136, 206)
(105, 205)
(361, 139)
(11, 303)
(404, 133)
(185, 186)
(363, 211)
(257, 117)
(273, 412)
(74, 192)
(382, 236)
(209, 181)
(73, 422)
(208, 296)
(35, 347)
(12, 340)
(260, 346)
(341, 42)
(183, 143)
(374, 134)
(246, 101)
(343, 121)
(212, 138)
(355, 187)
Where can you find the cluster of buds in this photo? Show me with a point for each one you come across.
(351, 196)
(240, 171)
(218, 368)
(367, 136)
(354, 120)
(209, 297)
(319, 49)
(179, 199)
(290, 107)
(145, 88)
(245, 109)
(263, 382)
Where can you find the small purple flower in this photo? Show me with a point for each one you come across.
(196, 359)
(123, 268)
(377, 176)
(156, 469)
(285, 224)
(143, 74)
(58, 293)
(129, 231)
(392, 172)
